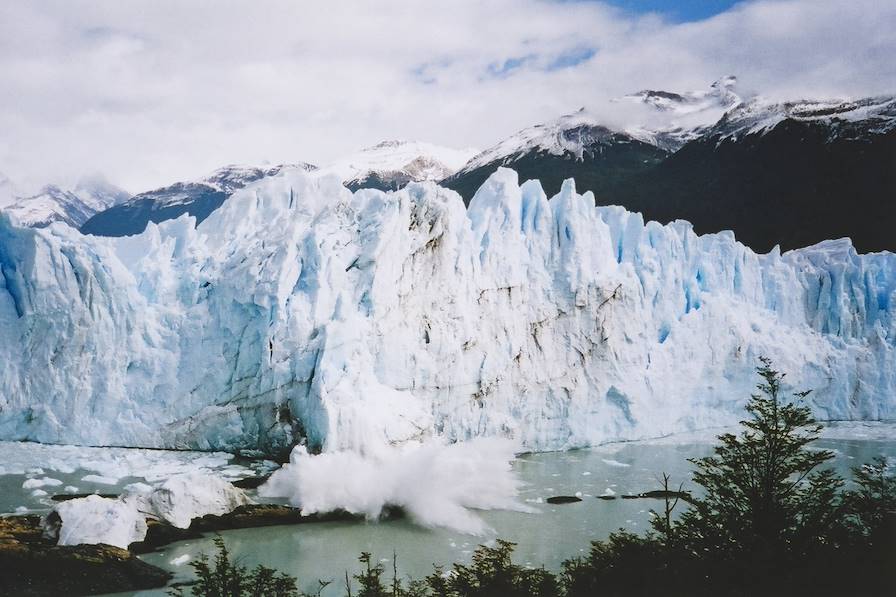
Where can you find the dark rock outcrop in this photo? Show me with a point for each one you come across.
(32, 565)
(563, 499)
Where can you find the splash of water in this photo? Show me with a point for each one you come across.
(436, 484)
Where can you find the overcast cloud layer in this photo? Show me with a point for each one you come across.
(152, 92)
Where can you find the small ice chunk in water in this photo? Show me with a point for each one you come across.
(612, 462)
(70, 489)
(43, 482)
(38, 493)
(180, 560)
(100, 479)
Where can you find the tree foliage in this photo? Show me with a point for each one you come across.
(222, 577)
(763, 488)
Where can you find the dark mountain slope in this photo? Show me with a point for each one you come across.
(198, 199)
(794, 183)
(789, 174)
(599, 159)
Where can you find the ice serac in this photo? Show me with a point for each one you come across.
(301, 311)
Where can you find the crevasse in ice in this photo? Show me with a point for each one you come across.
(299, 310)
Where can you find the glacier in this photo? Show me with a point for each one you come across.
(300, 312)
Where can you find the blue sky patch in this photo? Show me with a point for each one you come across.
(680, 12)
(505, 68)
(571, 58)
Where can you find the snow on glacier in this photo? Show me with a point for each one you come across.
(302, 311)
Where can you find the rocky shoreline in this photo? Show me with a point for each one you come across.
(35, 566)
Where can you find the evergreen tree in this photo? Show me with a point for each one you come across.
(763, 487)
(492, 572)
(224, 578)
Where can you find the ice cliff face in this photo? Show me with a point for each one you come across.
(299, 310)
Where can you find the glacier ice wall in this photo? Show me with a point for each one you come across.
(302, 311)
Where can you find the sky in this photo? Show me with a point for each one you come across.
(153, 92)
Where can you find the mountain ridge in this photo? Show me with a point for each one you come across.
(89, 196)
(790, 174)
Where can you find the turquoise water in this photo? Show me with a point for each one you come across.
(546, 537)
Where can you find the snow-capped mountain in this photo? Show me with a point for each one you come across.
(301, 311)
(840, 119)
(197, 198)
(600, 157)
(575, 145)
(584, 135)
(98, 193)
(789, 174)
(390, 165)
(721, 95)
(73, 207)
(824, 169)
(682, 117)
(51, 204)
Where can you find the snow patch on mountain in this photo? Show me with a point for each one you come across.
(97, 193)
(843, 119)
(51, 204)
(721, 95)
(399, 162)
(570, 134)
(300, 311)
(667, 120)
(199, 198)
(73, 207)
(235, 176)
(677, 118)
(226, 179)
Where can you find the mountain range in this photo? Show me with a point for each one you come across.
(790, 174)
(198, 198)
(52, 203)
(389, 165)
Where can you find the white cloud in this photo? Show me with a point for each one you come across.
(151, 92)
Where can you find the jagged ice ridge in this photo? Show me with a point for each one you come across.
(301, 311)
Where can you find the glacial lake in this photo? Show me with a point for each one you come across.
(546, 536)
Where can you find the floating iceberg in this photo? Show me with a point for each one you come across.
(300, 311)
(122, 521)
